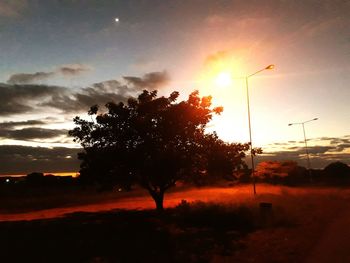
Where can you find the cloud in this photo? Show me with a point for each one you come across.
(81, 100)
(13, 124)
(27, 78)
(17, 159)
(23, 98)
(32, 133)
(110, 85)
(217, 57)
(12, 8)
(73, 69)
(153, 80)
(19, 99)
(333, 149)
(28, 130)
(31, 78)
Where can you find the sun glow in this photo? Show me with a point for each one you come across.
(223, 79)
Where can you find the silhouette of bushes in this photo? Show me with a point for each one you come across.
(289, 173)
(337, 173)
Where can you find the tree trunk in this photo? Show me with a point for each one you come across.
(158, 198)
(159, 202)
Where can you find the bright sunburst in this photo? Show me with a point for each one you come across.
(223, 79)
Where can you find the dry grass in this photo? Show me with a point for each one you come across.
(200, 225)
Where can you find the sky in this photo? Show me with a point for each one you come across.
(59, 57)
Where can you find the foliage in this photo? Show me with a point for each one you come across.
(154, 141)
(337, 172)
(221, 160)
(337, 169)
(277, 172)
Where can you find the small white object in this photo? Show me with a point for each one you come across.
(116, 19)
(7, 180)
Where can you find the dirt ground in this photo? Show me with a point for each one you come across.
(315, 220)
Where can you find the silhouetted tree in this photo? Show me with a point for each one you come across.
(337, 172)
(281, 172)
(219, 160)
(152, 140)
(35, 178)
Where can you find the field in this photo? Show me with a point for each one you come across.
(222, 224)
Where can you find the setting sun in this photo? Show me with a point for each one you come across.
(224, 79)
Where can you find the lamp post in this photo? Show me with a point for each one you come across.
(250, 128)
(306, 148)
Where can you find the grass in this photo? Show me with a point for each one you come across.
(225, 225)
(190, 232)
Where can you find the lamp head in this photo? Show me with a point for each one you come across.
(290, 124)
(315, 119)
(270, 66)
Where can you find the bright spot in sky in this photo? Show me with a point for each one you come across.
(116, 19)
(223, 79)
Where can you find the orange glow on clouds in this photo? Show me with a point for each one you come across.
(74, 174)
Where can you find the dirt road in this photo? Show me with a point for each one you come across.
(334, 245)
(142, 202)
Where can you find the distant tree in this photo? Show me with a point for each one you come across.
(154, 141)
(337, 171)
(35, 178)
(221, 160)
(274, 168)
(276, 172)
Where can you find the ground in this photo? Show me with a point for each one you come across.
(305, 225)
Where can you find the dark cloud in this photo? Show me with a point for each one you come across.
(343, 146)
(317, 161)
(153, 80)
(23, 98)
(32, 133)
(73, 69)
(17, 159)
(318, 149)
(19, 99)
(109, 85)
(337, 149)
(10, 130)
(336, 141)
(27, 78)
(99, 93)
(31, 78)
(12, 124)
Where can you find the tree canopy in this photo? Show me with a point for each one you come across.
(153, 141)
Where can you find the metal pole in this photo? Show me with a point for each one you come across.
(307, 152)
(250, 137)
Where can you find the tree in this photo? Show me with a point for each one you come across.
(154, 141)
(337, 172)
(219, 160)
(35, 178)
(275, 172)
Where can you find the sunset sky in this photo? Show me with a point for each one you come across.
(59, 57)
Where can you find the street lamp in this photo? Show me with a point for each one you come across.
(306, 148)
(250, 128)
